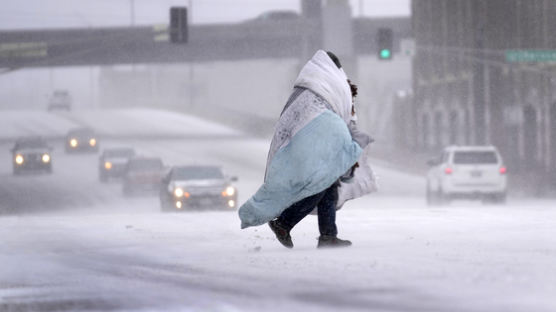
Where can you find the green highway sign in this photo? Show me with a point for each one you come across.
(527, 56)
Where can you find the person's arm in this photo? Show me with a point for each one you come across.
(359, 136)
(362, 139)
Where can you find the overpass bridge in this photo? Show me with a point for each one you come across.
(149, 44)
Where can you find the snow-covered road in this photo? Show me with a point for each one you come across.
(70, 243)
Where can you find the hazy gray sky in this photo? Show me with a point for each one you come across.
(17, 14)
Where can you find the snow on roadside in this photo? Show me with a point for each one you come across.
(144, 122)
(14, 124)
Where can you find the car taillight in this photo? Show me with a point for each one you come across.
(448, 170)
(503, 170)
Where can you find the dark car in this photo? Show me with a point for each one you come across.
(60, 100)
(81, 140)
(113, 161)
(31, 154)
(201, 187)
(142, 175)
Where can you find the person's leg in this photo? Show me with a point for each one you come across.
(299, 210)
(291, 216)
(327, 211)
(327, 220)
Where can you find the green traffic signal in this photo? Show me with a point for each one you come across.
(385, 43)
(385, 54)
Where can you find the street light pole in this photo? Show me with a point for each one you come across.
(191, 63)
(132, 22)
(132, 12)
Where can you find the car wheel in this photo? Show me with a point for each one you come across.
(428, 194)
(434, 198)
(437, 198)
(501, 198)
(429, 197)
(496, 199)
(443, 199)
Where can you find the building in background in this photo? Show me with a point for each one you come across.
(479, 78)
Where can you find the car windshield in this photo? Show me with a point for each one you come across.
(82, 132)
(145, 164)
(124, 152)
(475, 157)
(31, 143)
(60, 96)
(197, 173)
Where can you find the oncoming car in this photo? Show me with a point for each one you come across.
(467, 172)
(201, 187)
(81, 140)
(60, 100)
(31, 154)
(142, 175)
(113, 161)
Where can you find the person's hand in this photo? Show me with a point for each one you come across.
(356, 165)
(348, 176)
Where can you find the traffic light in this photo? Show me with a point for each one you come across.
(385, 43)
(178, 25)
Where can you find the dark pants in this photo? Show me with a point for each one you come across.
(325, 202)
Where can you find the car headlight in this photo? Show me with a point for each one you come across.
(45, 158)
(19, 159)
(93, 142)
(231, 203)
(178, 192)
(229, 191)
(73, 142)
(107, 165)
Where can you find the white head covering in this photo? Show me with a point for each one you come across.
(323, 77)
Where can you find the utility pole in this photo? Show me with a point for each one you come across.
(132, 23)
(92, 87)
(480, 83)
(191, 63)
(132, 12)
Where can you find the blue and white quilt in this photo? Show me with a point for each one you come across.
(312, 145)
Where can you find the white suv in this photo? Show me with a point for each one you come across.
(472, 172)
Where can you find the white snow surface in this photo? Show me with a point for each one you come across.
(70, 243)
(14, 124)
(143, 122)
(139, 122)
(405, 257)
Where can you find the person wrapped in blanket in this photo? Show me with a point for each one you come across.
(316, 158)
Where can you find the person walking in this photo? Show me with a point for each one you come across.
(312, 151)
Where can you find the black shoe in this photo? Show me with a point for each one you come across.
(329, 241)
(282, 233)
